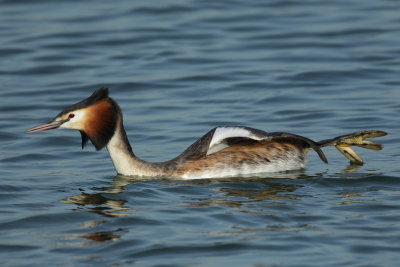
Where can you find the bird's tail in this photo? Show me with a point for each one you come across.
(343, 143)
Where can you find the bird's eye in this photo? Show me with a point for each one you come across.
(71, 115)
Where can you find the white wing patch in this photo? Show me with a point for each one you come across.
(221, 133)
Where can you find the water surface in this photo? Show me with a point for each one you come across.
(178, 69)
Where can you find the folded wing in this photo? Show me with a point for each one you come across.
(222, 137)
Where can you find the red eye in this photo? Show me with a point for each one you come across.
(71, 115)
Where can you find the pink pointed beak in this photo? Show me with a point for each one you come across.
(46, 126)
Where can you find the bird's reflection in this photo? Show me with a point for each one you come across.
(105, 200)
(232, 192)
(86, 239)
(102, 205)
(103, 236)
(247, 194)
(105, 203)
(110, 202)
(351, 168)
(236, 192)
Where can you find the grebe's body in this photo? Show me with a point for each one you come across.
(214, 155)
(222, 152)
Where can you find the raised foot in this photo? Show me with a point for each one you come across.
(343, 143)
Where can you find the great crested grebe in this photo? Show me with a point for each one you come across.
(222, 152)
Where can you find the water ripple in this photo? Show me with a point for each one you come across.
(177, 69)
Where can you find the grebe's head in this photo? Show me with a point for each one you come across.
(95, 117)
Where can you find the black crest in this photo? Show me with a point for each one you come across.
(99, 94)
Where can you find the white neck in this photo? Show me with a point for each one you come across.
(125, 162)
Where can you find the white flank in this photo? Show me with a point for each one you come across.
(248, 170)
(221, 133)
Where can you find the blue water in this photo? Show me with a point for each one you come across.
(177, 69)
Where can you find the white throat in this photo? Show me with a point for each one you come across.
(121, 154)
